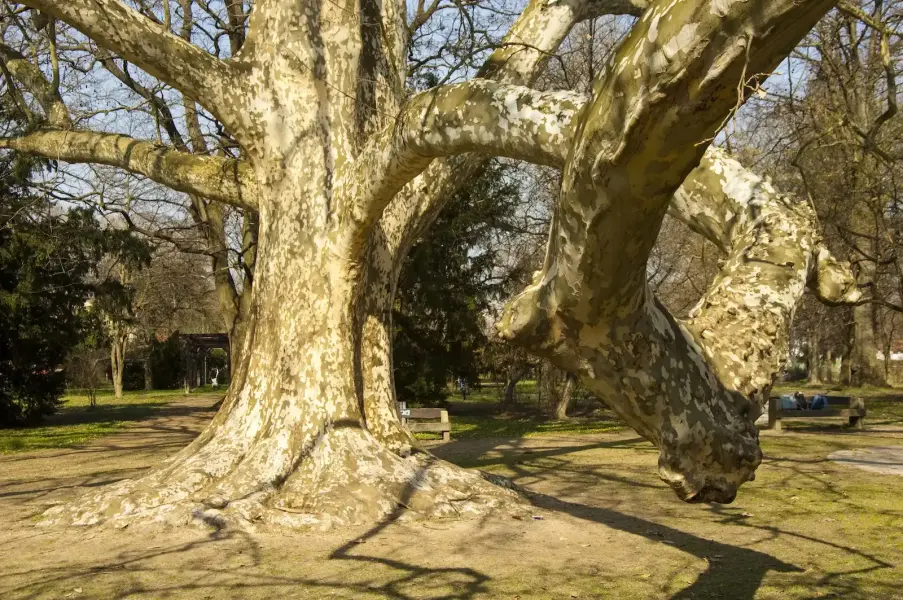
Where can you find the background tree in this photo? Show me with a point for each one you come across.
(449, 282)
(48, 271)
(87, 362)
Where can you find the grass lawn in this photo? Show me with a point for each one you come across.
(480, 415)
(76, 422)
(601, 524)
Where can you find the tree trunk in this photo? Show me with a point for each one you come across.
(514, 377)
(290, 444)
(564, 399)
(813, 363)
(148, 375)
(829, 367)
(868, 369)
(117, 359)
(375, 377)
(314, 98)
(845, 377)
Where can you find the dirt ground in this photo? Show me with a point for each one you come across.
(606, 528)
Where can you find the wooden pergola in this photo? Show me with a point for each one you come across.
(194, 349)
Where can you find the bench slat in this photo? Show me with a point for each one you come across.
(424, 413)
(429, 427)
(846, 412)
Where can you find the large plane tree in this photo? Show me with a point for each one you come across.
(345, 169)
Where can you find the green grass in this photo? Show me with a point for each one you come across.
(76, 400)
(76, 423)
(28, 439)
(475, 426)
(480, 415)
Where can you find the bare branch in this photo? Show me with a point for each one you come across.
(146, 43)
(45, 92)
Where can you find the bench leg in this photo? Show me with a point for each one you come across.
(774, 414)
(443, 418)
(855, 422)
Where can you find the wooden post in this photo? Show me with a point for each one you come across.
(774, 414)
(443, 418)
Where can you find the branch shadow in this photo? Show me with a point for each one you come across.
(733, 571)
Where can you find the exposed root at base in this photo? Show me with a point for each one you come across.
(347, 479)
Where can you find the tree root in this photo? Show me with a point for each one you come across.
(347, 478)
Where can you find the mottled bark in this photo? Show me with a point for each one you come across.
(536, 34)
(43, 90)
(289, 445)
(221, 179)
(294, 442)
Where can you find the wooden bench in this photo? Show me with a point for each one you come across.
(848, 407)
(413, 419)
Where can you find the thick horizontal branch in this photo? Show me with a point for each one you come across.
(222, 179)
(139, 40)
(532, 39)
(477, 116)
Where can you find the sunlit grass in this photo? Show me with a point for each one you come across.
(473, 427)
(27, 439)
(76, 422)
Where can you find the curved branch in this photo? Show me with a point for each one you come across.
(683, 68)
(140, 40)
(476, 116)
(534, 36)
(720, 198)
(743, 321)
(539, 30)
(222, 179)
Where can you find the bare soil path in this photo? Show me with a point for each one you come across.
(806, 528)
(886, 460)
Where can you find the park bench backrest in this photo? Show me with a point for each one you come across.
(848, 407)
(416, 420)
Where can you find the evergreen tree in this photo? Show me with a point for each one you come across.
(48, 271)
(448, 282)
